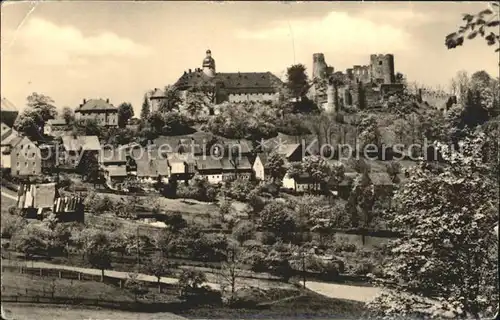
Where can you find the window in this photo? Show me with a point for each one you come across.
(380, 63)
(26, 164)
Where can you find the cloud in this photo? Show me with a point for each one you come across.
(399, 17)
(48, 43)
(336, 32)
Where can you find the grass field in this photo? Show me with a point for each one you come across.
(22, 311)
(28, 285)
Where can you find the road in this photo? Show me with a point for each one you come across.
(8, 195)
(331, 290)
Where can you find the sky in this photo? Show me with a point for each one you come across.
(119, 50)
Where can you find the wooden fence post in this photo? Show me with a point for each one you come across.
(79, 276)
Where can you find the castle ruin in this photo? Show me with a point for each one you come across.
(361, 85)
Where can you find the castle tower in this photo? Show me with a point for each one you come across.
(209, 64)
(319, 66)
(329, 106)
(382, 68)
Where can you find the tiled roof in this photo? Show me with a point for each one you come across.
(96, 105)
(57, 122)
(15, 141)
(243, 163)
(81, 143)
(6, 105)
(112, 155)
(234, 82)
(263, 158)
(157, 93)
(288, 149)
(208, 164)
(7, 134)
(152, 167)
(116, 171)
(226, 164)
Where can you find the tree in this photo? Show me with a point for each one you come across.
(172, 100)
(159, 267)
(190, 281)
(31, 240)
(135, 286)
(229, 272)
(26, 124)
(125, 113)
(277, 217)
(449, 252)
(68, 115)
(297, 81)
(98, 252)
(361, 201)
(145, 109)
(276, 166)
(90, 169)
(484, 23)
(41, 108)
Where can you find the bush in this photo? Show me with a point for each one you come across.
(239, 189)
(13, 210)
(12, 224)
(243, 231)
(266, 238)
(344, 247)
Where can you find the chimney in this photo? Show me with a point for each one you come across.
(84, 101)
(189, 70)
(107, 100)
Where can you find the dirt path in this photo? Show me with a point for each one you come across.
(342, 291)
(339, 291)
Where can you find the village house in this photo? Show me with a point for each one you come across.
(114, 164)
(148, 165)
(302, 183)
(21, 155)
(55, 127)
(104, 113)
(73, 148)
(37, 201)
(211, 169)
(182, 167)
(7, 135)
(236, 168)
(259, 166)
(8, 112)
(155, 99)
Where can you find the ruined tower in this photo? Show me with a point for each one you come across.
(382, 68)
(209, 64)
(319, 66)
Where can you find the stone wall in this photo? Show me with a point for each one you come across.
(242, 97)
(382, 68)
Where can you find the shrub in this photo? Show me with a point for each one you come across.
(243, 231)
(12, 224)
(239, 189)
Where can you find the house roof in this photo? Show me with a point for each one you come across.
(67, 204)
(232, 83)
(348, 177)
(208, 164)
(108, 155)
(57, 122)
(7, 134)
(37, 196)
(6, 105)
(15, 141)
(90, 143)
(244, 163)
(152, 167)
(157, 94)
(116, 171)
(263, 158)
(287, 150)
(380, 178)
(96, 105)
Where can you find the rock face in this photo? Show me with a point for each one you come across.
(8, 112)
